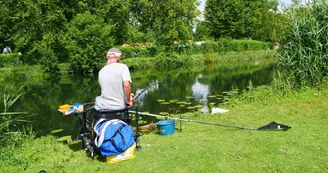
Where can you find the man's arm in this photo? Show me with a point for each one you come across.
(127, 90)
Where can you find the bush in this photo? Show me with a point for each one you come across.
(132, 52)
(10, 59)
(49, 61)
(175, 61)
(228, 45)
(152, 51)
(209, 47)
(140, 63)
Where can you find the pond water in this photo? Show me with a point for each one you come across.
(194, 85)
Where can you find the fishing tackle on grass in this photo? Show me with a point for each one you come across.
(271, 126)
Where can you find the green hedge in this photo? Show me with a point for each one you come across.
(139, 63)
(223, 45)
(230, 45)
(10, 59)
(131, 52)
(172, 61)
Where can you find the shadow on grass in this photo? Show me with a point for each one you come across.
(76, 146)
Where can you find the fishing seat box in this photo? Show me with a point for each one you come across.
(123, 115)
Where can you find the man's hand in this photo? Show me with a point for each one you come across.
(130, 102)
(132, 96)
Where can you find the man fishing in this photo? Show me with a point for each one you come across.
(115, 83)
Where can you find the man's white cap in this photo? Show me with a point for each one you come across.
(114, 51)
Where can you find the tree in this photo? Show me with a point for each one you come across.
(273, 24)
(23, 26)
(115, 13)
(202, 31)
(166, 20)
(27, 24)
(118, 16)
(233, 18)
(4, 35)
(88, 39)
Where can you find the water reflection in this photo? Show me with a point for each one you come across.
(43, 98)
(198, 86)
(200, 91)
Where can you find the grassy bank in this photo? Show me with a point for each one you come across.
(187, 61)
(205, 148)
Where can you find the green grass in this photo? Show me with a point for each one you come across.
(205, 148)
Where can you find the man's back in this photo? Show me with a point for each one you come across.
(111, 78)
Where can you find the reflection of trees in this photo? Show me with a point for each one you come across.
(224, 79)
(176, 85)
(43, 101)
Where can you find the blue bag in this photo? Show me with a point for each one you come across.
(113, 136)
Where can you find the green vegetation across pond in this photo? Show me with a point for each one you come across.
(33, 73)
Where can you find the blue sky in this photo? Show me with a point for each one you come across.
(202, 3)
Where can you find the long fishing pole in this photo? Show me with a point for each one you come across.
(194, 121)
(142, 91)
(271, 126)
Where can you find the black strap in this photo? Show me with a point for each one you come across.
(118, 131)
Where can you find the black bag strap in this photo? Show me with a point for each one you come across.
(118, 131)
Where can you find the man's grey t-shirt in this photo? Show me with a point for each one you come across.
(111, 78)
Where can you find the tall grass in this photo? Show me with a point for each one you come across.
(303, 59)
(9, 118)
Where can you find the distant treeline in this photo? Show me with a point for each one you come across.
(91, 65)
(75, 30)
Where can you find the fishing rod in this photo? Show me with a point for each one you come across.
(142, 91)
(134, 98)
(271, 126)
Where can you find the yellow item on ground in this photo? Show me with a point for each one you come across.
(64, 107)
(126, 155)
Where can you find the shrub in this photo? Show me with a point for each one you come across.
(175, 61)
(228, 45)
(9, 59)
(210, 46)
(132, 52)
(140, 63)
(153, 51)
(49, 61)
